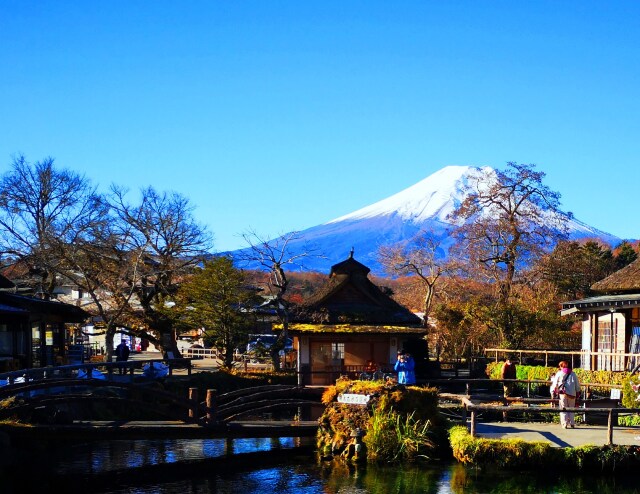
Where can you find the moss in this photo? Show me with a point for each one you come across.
(400, 423)
(348, 328)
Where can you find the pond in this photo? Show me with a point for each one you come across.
(269, 466)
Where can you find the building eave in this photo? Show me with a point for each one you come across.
(602, 303)
(307, 329)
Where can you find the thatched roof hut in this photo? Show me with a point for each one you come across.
(349, 296)
(624, 280)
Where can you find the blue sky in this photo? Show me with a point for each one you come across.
(277, 116)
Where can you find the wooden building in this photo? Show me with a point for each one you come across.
(33, 331)
(350, 325)
(611, 321)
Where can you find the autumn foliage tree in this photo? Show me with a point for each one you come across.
(507, 221)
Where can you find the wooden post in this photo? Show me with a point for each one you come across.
(468, 386)
(610, 428)
(528, 389)
(546, 358)
(473, 423)
(211, 405)
(193, 397)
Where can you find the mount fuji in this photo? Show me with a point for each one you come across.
(398, 218)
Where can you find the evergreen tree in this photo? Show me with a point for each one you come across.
(216, 298)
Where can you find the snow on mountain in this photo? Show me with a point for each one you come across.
(433, 198)
(423, 206)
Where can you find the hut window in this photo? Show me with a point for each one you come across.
(337, 351)
(604, 336)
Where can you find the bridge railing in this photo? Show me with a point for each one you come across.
(128, 368)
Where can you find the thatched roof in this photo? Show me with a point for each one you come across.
(624, 280)
(349, 297)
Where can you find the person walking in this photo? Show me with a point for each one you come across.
(405, 366)
(567, 386)
(122, 354)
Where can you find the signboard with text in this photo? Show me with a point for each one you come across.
(353, 399)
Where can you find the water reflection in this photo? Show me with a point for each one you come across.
(104, 456)
(283, 468)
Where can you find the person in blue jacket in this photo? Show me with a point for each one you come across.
(404, 367)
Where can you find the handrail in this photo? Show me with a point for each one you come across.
(571, 353)
(129, 366)
(469, 406)
(469, 381)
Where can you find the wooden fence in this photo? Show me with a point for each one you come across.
(474, 409)
(613, 361)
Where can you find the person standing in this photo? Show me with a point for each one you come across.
(122, 354)
(405, 368)
(567, 386)
(508, 372)
(553, 388)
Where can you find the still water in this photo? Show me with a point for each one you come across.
(269, 466)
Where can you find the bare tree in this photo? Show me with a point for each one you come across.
(42, 210)
(100, 264)
(421, 258)
(163, 243)
(509, 219)
(274, 257)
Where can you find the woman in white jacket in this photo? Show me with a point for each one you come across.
(566, 385)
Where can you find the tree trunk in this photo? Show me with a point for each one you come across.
(108, 342)
(228, 356)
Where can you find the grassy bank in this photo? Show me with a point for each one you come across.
(517, 454)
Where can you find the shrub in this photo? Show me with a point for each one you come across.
(392, 437)
(531, 373)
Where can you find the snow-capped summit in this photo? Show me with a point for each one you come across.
(423, 206)
(433, 198)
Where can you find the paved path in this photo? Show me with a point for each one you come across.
(556, 435)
